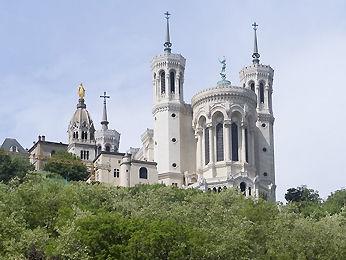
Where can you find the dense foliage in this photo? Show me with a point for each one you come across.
(13, 167)
(67, 165)
(49, 218)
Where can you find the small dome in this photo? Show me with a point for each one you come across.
(81, 118)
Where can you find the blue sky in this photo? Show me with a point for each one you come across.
(48, 47)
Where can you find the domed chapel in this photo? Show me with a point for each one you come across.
(223, 138)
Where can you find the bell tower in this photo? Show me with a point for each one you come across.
(169, 113)
(259, 78)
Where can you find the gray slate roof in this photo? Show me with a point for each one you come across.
(10, 142)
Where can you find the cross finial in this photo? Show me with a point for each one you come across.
(255, 54)
(104, 97)
(167, 43)
(104, 121)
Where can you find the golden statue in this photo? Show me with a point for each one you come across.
(81, 91)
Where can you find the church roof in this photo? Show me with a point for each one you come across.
(12, 145)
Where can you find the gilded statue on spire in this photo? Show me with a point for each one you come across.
(81, 91)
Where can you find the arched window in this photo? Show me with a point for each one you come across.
(108, 148)
(206, 145)
(242, 187)
(246, 146)
(143, 173)
(234, 132)
(219, 142)
(76, 135)
(261, 92)
(163, 82)
(172, 81)
(252, 86)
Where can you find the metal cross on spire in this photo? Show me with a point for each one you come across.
(255, 54)
(104, 121)
(167, 43)
(104, 97)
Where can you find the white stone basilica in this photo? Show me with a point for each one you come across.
(224, 138)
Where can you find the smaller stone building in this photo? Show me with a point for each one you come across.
(121, 169)
(42, 150)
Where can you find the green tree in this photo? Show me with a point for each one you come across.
(302, 193)
(12, 166)
(335, 202)
(68, 166)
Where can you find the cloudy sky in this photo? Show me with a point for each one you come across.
(48, 47)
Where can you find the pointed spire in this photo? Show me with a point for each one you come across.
(255, 54)
(104, 121)
(167, 43)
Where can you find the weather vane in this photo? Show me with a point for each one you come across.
(223, 68)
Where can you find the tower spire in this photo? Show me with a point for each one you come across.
(255, 54)
(104, 121)
(167, 43)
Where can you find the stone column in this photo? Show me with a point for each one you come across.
(266, 96)
(252, 146)
(177, 79)
(211, 144)
(226, 140)
(167, 86)
(243, 146)
(199, 158)
(258, 95)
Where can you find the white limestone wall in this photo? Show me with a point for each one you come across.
(105, 166)
(187, 142)
(134, 173)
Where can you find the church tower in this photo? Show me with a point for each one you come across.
(259, 78)
(81, 131)
(172, 117)
(106, 139)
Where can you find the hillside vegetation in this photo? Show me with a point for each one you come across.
(48, 218)
(44, 216)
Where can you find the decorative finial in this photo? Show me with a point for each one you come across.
(255, 54)
(223, 68)
(168, 43)
(81, 91)
(104, 121)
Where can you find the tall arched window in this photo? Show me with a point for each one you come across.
(219, 142)
(163, 82)
(252, 86)
(242, 187)
(143, 173)
(76, 135)
(172, 81)
(206, 146)
(246, 146)
(261, 92)
(234, 132)
(108, 148)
